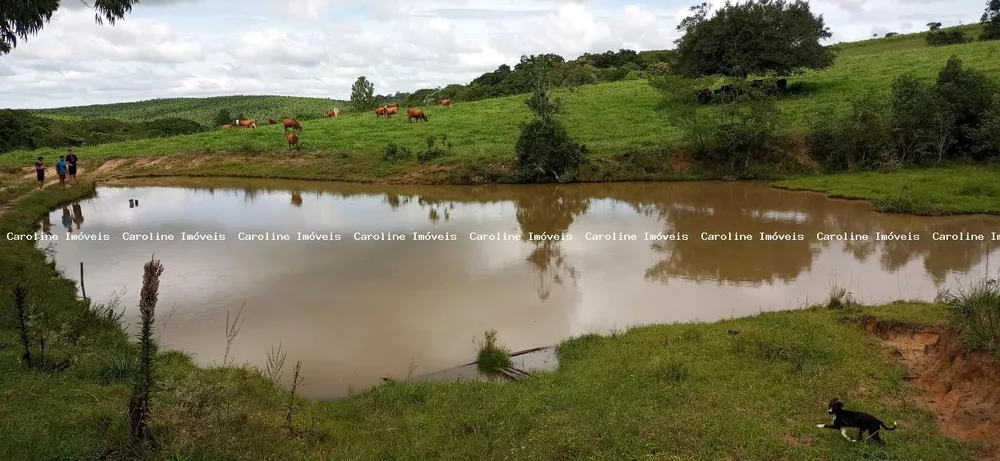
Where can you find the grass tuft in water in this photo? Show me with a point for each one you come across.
(492, 357)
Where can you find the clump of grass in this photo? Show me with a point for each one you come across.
(839, 298)
(691, 334)
(393, 153)
(975, 310)
(120, 369)
(434, 149)
(492, 357)
(672, 371)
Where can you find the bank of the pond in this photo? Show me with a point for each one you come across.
(928, 191)
(751, 388)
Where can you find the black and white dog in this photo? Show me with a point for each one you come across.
(844, 419)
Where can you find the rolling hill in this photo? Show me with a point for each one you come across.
(203, 110)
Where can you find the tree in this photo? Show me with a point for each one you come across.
(363, 95)
(545, 151)
(991, 21)
(754, 38)
(223, 117)
(21, 19)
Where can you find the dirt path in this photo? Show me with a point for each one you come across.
(961, 387)
(15, 200)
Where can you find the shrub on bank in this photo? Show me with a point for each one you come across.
(545, 151)
(953, 118)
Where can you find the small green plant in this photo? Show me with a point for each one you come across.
(435, 149)
(21, 310)
(492, 357)
(275, 364)
(672, 371)
(297, 380)
(393, 153)
(975, 310)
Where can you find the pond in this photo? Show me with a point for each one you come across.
(336, 274)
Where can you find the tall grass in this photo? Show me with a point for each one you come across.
(139, 411)
(975, 310)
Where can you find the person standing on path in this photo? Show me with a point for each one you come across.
(61, 170)
(71, 159)
(40, 172)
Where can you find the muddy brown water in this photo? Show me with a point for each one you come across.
(355, 311)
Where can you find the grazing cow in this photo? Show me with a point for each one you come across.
(391, 110)
(227, 127)
(782, 84)
(252, 123)
(415, 114)
(271, 121)
(293, 140)
(704, 96)
(292, 123)
(333, 113)
(380, 111)
(446, 102)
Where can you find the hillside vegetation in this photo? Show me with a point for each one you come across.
(902, 42)
(615, 120)
(203, 110)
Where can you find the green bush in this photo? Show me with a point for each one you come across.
(545, 152)
(492, 357)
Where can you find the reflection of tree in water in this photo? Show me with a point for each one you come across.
(749, 262)
(395, 200)
(546, 210)
(296, 199)
(250, 194)
(719, 211)
(941, 257)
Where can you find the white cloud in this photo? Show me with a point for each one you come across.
(170, 48)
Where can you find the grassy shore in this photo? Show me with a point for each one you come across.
(670, 391)
(933, 191)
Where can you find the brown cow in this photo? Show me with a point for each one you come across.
(381, 112)
(415, 114)
(395, 104)
(226, 127)
(252, 123)
(271, 121)
(293, 140)
(391, 110)
(446, 102)
(333, 113)
(292, 123)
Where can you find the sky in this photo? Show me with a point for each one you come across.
(318, 48)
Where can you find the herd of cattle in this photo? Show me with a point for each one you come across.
(705, 96)
(387, 110)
